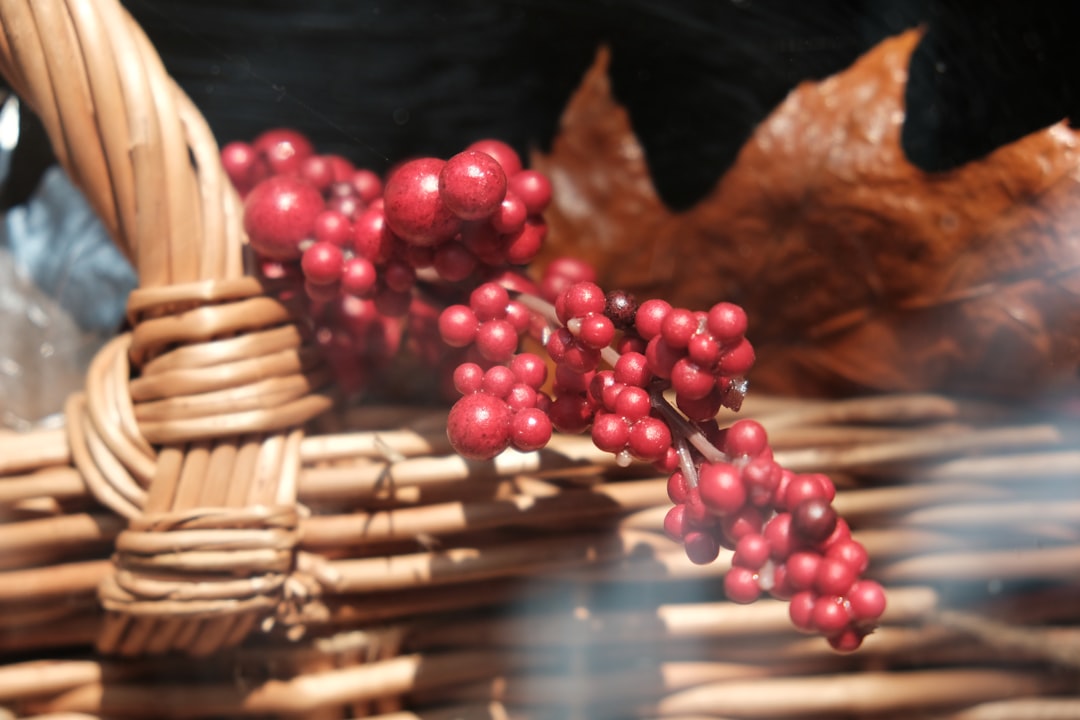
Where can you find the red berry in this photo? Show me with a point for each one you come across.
(528, 368)
(721, 488)
(570, 380)
(851, 553)
(802, 569)
(696, 512)
(414, 209)
(847, 640)
(781, 589)
(833, 577)
(524, 245)
(453, 262)
(867, 600)
(521, 396)
(678, 489)
(667, 464)
(458, 325)
(690, 381)
(778, 532)
(468, 378)
(333, 227)
(530, 429)
(284, 149)
(372, 238)
(323, 263)
(633, 403)
(519, 316)
(478, 426)
(563, 272)
(244, 166)
(650, 317)
(279, 214)
(597, 331)
(801, 610)
(701, 409)
(533, 188)
(604, 390)
(737, 361)
(610, 432)
(661, 356)
(678, 327)
(841, 533)
(761, 475)
(570, 413)
(649, 439)
(744, 521)
(802, 488)
(359, 277)
(751, 551)
(505, 155)
(496, 340)
(703, 350)
(399, 276)
(367, 184)
(675, 523)
(726, 322)
(498, 381)
(317, 170)
(741, 585)
(830, 615)
(489, 301)
(511, 216)
(342, 198)
(632, 368)
(745, 438)
(472, 184)
(701, 547)
(581, 299)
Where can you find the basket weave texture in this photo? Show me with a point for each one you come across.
(202, 502)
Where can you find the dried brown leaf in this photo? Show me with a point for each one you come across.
(859, 271)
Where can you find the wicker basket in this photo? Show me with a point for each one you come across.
(205, 539)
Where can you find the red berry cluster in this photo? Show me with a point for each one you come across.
(787, 538)
(364, 259)
(500, 407)
(435, 257)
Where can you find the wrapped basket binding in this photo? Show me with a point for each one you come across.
(204, 540)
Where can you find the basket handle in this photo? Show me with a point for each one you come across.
(127, 136)
(188, 425)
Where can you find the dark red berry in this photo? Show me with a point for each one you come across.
(621, 307)
(813, 520)
(701, 547)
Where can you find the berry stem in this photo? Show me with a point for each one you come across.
(686, 461)
(546, 310)
(684, 428)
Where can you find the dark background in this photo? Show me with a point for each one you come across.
(382, 80)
